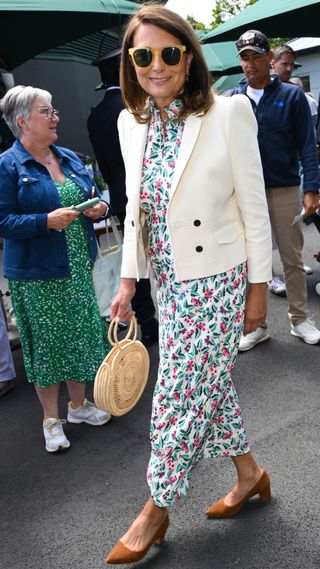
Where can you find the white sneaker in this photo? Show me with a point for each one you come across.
(317, 287)
(307, 332)
(250, 340)
(307, 270)
(277, 286)
(87, 413)
(54, 435)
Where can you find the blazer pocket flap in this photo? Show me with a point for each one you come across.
(228, 233)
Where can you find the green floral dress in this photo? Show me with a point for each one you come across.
(58, 319)
(195, 411)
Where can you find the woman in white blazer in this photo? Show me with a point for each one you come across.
(197, 213)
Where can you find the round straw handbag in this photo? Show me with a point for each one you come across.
(123, 374)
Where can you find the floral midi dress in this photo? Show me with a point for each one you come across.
(195, 410)
(58, 319)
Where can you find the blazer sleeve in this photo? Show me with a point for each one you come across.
(135, 263)
(241, 131)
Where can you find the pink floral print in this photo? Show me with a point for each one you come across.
(195, 411)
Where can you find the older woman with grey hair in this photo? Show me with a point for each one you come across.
(49, 249)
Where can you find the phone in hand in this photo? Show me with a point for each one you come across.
(86, 205)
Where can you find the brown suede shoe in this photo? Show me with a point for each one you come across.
(121, 554)
(221, 510)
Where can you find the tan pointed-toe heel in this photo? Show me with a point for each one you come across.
(221, 510)
(121, 554)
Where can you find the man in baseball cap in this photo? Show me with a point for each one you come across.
(285, 133)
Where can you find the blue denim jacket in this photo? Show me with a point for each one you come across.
(27, 195)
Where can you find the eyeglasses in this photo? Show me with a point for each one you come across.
(144, 56)
(49, 112)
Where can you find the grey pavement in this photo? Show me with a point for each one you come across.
(66, 511)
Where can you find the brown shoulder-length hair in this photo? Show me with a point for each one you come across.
(197, 96)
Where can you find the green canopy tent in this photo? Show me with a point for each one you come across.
(221, 58)
(275, 18)
(30, 27)
(85, 49)
(226, 82)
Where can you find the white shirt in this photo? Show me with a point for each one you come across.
(255, 94)
(312, 104)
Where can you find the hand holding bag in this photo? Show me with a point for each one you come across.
(106, 271)
(123, 374)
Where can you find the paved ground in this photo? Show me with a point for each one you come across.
(66, 511)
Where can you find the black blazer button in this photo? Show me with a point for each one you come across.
(199, 249)
(197, 222)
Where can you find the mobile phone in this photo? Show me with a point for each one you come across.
(85, 205)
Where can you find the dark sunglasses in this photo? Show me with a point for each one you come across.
(144, 56)
(254, 41)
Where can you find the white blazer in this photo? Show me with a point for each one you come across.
(217, 214)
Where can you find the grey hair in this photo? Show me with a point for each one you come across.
(297, 81)
(18, 102)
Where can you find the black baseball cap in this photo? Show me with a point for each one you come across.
(108, 66)
(108, 57)
(253, 40)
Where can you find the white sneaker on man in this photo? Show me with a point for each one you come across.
(277, 286)
(250, 340)
(87, 413)
(307, 270)
(54, 435)
(307, 331)
(317, 288)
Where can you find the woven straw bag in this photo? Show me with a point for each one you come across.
(123, 374)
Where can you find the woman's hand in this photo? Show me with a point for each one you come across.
(60, 218)
(97, 211)
(120, 305)
(255, 313)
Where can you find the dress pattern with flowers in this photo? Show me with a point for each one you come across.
(195, 411)
(59, 322)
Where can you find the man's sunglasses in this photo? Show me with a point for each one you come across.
(254, 41)
(144, 56)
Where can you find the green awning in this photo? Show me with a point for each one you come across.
(227, 82)
(85, 49)
(31, 27)
(275, 18)
(221, 57)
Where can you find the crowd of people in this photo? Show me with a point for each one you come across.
(210, 254)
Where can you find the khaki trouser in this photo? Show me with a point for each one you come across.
(284, 204)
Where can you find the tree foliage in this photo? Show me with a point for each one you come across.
(225, 9)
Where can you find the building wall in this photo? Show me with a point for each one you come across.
(72, 88)
(310, 65)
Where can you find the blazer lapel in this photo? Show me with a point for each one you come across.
(189, 138)
(137, 144)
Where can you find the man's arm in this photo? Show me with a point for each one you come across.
(306, 143)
